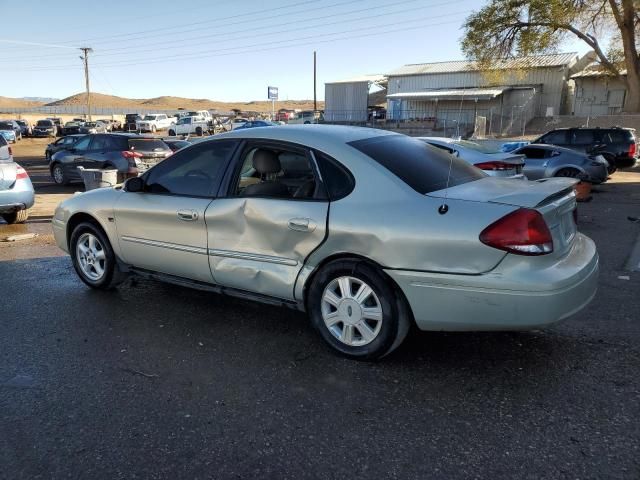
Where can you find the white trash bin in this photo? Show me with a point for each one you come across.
(97, 178)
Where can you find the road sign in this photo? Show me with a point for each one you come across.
(272, 93)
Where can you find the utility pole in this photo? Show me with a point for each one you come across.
(85, 59)
(315, 103)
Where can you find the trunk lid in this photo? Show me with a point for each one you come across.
(554, 198)
(7, 175)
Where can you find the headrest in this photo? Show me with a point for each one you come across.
(266, 161)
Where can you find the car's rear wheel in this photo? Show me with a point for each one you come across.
(93, 258)
(172, 133)
(16, 217)
(58, 174)
(357, 311)
(611, 159)
(199, 131)
(568, 172)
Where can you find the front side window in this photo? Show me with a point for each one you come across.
(194, 171)
(582, 137)
(421, 166)
(83, 144)
(276, 172)
(559, 137)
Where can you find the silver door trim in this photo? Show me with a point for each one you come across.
(170, 246)
(253, 257)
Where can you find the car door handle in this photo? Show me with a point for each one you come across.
(187, 215)
(302, 224)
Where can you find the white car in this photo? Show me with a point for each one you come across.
(152, 122)
(188, 126)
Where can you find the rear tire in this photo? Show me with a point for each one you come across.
(568, 173)
(172, 133)
(199, 131)
(16, 217)
(58, 175)
(357, 311)
(153, 129)
(93, 258)
(612, 168)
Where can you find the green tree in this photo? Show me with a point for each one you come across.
(507, 28)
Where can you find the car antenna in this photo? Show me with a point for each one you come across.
(444, 208)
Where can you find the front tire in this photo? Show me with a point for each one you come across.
(172, 133)
(93, 258)
(153, 129)
(199, 131)
(16, 217)
(357, 311)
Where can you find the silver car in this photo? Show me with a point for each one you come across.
(489, 159)
(16, 190)
(368, 231)
(544, 161)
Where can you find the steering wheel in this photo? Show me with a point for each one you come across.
(198, 173)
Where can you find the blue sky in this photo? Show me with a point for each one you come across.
(220, 49)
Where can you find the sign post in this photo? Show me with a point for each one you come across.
(272, 94)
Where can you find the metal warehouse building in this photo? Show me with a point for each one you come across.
(598, 93)
(446, 95)
(348, 100)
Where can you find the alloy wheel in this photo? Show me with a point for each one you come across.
(91, 256)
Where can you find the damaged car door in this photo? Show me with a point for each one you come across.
(273, 216)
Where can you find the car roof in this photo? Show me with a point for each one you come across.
(310, 135)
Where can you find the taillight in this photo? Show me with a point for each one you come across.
(495, 166)
(523, 232)
(131, 154)
(21, 173)
(632, 149)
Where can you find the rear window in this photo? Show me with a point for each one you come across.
(421, 166)
(617, 136)
(148, 145)
(477, 147)
(5, 126)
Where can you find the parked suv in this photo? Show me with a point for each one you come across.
(130, 154)
(617, 145)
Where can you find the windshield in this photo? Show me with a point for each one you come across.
(5, 126)
(148, 145)
(45, 123)
(477, 146)
(22, 123)
(423, 167)
(90, 124)
(149, 117)
(71, 124)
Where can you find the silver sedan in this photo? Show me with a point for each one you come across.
(544, 161)
(366, 230)
(489, 159)
(16, 191)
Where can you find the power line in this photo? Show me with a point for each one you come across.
(119, 50)
(20, 42)
(257, 50)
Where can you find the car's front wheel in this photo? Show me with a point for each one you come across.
(93, 258)
(357, 311)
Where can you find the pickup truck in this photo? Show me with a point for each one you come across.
(306, 117)
(152, 122)
(189, 125)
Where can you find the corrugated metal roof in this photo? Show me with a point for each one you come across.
(537, 61)
(452, 94)
(595, 70)
(363, 78)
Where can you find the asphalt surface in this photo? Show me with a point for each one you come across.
(157, 381)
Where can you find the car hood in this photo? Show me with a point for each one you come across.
(507, 191)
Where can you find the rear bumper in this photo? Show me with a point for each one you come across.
(20, 197)
(519, 294)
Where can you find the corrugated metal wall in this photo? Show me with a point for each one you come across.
(598, 96)
(346, 102)
(552, 80)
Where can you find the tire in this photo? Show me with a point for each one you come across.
(93, 258)
(172, 133)
(47, 155)
(58, 175)
(153, 129)
(371, 337)
(612, 168)
(16, 217)
(199, 131)
(568, 173)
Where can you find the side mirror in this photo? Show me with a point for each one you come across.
(134, 185)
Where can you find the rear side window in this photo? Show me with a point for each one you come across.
(337, 179)
(532, 152)
(421, 166)
(582, 137)
(559, 137)
(617, 136)
(148, 145)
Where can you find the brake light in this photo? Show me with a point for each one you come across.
(523, 232)
(632, 149)
(21, 173)
(131, 154)
(494, 166)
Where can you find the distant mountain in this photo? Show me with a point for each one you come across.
(18, 102)
(39, 99)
